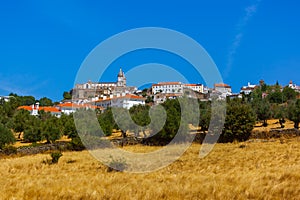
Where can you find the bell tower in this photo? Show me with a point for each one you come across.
(121, 79)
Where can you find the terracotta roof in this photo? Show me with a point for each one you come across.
(222, 85)
(29, 108)
(46, 108)
(49, 109)
(192, 84)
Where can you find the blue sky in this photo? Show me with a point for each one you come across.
(43, 43)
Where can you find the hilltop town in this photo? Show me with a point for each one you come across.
(102, 95)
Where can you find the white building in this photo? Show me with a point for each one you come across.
(195, 87)
(167, 87)
(294, 86)
(35, 109)
(248, 89)
(223, 88)
(5, 98)
(68, 107)
(122, 101)
(175, 87)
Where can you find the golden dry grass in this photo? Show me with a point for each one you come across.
(260, 170)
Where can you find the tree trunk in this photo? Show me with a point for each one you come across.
(123, 134)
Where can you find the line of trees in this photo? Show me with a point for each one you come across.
(274, 102)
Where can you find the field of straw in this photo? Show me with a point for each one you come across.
(251, 170)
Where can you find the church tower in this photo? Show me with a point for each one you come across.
(121, 79)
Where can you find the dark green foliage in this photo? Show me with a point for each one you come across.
(50, 130)
(239, 122)
(45, 102)
(19, 120)
(86, 123)
(140, 116)
(106, 121)
(55, 156)
(6, 136)
(67, 95)
(289, 94)
(67, 126)
(262, 108)
(76, 144)
(123, 120)
(33, 130)
(293, 112)
(205, 115)
(275, 97)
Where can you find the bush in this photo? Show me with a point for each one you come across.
(8, 150)
(76, 145)
(239, 122)
(117, 165)
(6, 136)
(55, 156)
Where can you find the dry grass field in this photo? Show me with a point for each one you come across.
(251, 170)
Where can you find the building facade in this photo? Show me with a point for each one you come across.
(122, 101)
(91, 89)
(175, 87)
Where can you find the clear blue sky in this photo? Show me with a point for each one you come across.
(43, 43)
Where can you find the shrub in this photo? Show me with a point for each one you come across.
(117, 165)
(76, 144)
(6, 136)
(8, 150)
(55, 156)
(239, 122)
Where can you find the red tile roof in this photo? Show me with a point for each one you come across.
(46, 108)
(222, 85)
(192, 84)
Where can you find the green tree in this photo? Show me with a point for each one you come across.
(293, 112)
(239, 122)
(19, 121)
(45, 102)
(67, 95)
(205, 115)
(140, 115)
(262, 109)
(123, 120)
(50, 130)
(289, 94)
(279, 112)
(6, 136)
(32, 132)
(67, 126)
(106, 121)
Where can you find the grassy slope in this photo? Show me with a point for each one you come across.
(267, 170)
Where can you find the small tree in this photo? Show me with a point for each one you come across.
(239, 122)
(294, 112)
(263, 110)
(6, 136)
(32, 132)
(50, 130)
(45, 102)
